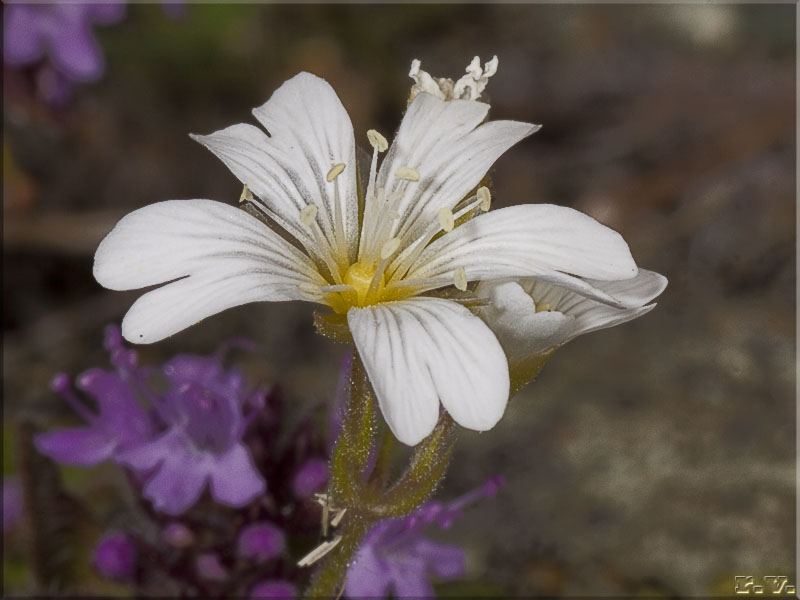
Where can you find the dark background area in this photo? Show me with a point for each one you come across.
(656, 458)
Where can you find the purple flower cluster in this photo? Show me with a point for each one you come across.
(180, 428)
(396, 557)
(189, 436)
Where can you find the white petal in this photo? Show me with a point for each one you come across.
(636, 291)
(230, 258)
(443, 141)
(512, 316)
(251, 156)
(591, 316)
(422, 350)
(551, 243)
(311, 132)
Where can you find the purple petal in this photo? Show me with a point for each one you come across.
(178, 483)
(22, 40)
(368, 576)
(410, 579)
(235, 481)
(147, 456)
(75, 52)
(76, 446)
(444, 561)
(121, 415)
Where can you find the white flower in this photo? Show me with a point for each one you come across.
(531, 317)
(367, 247)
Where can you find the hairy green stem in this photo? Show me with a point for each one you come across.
(426, 470)
(367, 503)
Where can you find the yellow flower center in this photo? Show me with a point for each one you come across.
(360, 276)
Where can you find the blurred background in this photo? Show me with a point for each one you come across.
(656, 458)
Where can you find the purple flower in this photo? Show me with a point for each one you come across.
(261, 541)
(311, 477)
(114, 556)
(121, 422)
(395, 558)
(12, 502)
(202, 441)
(273, 588)
(60, 32)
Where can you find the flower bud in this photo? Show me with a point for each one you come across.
(310, 478)
(261, 541)
(114, 557)
(177, 535)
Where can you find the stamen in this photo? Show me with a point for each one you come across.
(389, 248)
(543, 307)
(307, 217)
(308, 214)
(246, 196)
(342, 287)
(485, 197)
(338, 233)
(460, 279)
(446, 219)
(377, 141)
(335, 171)
(401, 265)
(407, 173)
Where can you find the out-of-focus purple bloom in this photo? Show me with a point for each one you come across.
(177, 535)
(121, 422)
(395, 557)
(274, 588)
(202, 443)
(209, 567)
(261, 541)
(60, 32)
(193, 434)
(311, 477)
(114, 557)
(12, 502)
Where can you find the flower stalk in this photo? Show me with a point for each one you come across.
(367, 504)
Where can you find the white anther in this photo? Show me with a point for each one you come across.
(308, 214)
(485, 198)
(446, 219)
(389, 248)
(246, 196)
(460, 279)
(407, 173)
(377, 141)
(318, 552)
(335, 171)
